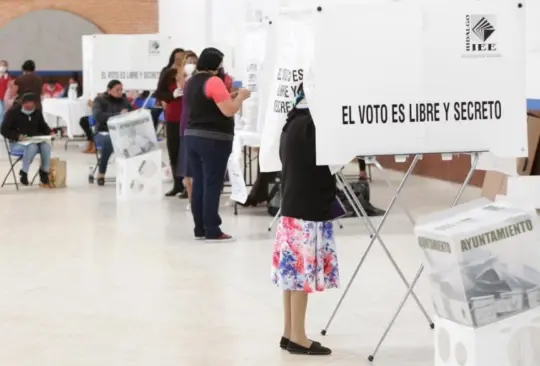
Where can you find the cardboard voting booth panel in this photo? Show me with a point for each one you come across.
(431, 77)
(253, 51)
(510, 342)
(134, 59)
(133, 133)
(140, 178)
(482, 261)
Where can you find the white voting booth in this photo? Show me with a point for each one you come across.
(136, 61)
(445, 77)
(483, 264)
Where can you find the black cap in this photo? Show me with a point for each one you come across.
(29, 97)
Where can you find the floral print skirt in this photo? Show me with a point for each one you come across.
(305, 257)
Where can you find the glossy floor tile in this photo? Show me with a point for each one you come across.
(85, 281)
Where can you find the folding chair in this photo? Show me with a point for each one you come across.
(92, 123)
(14, 157)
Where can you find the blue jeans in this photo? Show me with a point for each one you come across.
(105, 146)
(29, 153)
(208, 163)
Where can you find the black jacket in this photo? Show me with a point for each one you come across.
(16, 123)
(105, 106)
(307, 190)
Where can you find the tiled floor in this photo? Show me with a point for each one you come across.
(87, 282)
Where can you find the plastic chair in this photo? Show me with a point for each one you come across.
(14, 157)
(139, 102)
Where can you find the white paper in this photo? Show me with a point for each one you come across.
(35, 140)
(239, 191)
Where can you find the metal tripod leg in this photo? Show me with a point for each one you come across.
(468, 178)
(274, 220)
(377, 237)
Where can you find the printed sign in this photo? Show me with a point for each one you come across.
(421, 83)
(135, 60)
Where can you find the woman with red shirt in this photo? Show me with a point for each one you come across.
(171, 92)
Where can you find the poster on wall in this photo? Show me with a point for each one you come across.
(134, 59)
(441, 78)
(294, 43)
(254, 47)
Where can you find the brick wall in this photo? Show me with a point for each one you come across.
(111, 16)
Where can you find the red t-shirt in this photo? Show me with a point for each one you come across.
(173, 111)
(216, 90)
(4, 83)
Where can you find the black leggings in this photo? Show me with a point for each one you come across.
(85, 125)
(362, 165)
(173, 146)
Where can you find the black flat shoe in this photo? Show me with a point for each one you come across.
(23, 178)
(100, 181)
(316, 349)
(284, 342)
(173, 192)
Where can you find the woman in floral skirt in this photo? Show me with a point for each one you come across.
(304, 258)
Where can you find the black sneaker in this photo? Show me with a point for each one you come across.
(223, 238)
(316, 349)
(100, 181)
(44, 177)
(23, 178)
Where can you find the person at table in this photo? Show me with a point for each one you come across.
(112, 103)
(52, 89)
(29, 82)
(22, 121)
(171, 92)
(182, 169)
(74, 82)
(5, 80)
(209, 137)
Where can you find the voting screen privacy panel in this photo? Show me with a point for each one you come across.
(447, 77)
(294, 32)
(135, 60)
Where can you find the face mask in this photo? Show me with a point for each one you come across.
(28, 111)
(3, 69)
(189, 69)
(221, 73)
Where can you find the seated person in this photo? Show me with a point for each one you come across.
(112, 103)
(52, 89)
(84, 122)
(74, 82)
(25, 120)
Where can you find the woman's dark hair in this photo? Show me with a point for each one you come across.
(168, 77)
(172, 56)
(75, 77)
(113, 83)
(210, 59)
(144, 94)
(29, 66)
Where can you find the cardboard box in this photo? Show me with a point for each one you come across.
(482, 260)
(510, 342)
(497, 170)
(140, 178)
(133, 134)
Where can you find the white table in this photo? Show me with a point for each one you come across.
(248, 138)
(63, 112)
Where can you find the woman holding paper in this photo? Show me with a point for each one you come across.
(304, 258)
(29, 134)
(209, 138)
